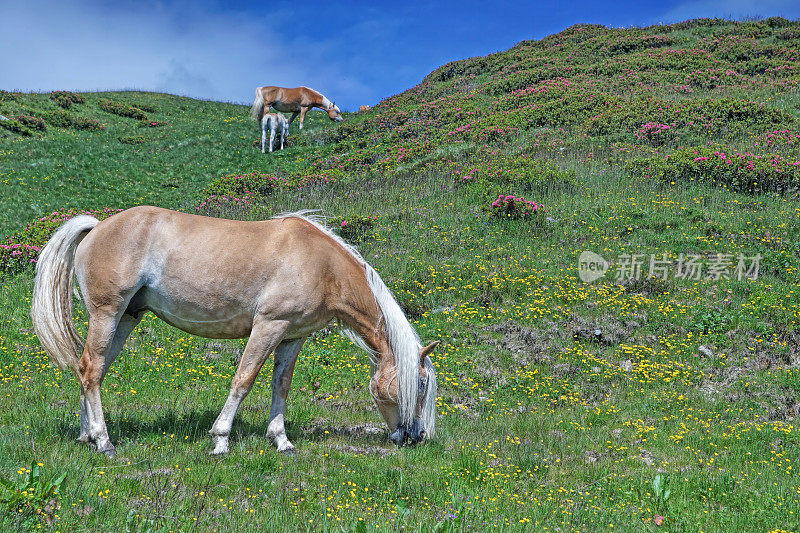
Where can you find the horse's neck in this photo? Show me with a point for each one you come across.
(319, 100)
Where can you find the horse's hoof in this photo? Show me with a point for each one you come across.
(83, 438)
(108, 451)
(288, 452)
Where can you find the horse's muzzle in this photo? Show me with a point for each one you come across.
(413, 435)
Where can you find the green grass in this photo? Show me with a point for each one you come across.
(88, 169)
(544, 425)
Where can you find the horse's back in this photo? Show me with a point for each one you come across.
(288, 97)
(210, 276)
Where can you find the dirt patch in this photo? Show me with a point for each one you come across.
(527, 344)
(647, 286)
(360, 431)
(605, 330)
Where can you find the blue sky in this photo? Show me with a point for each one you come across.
(355, 52)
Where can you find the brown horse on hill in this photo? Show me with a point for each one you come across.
(276, 281)
(296, 101)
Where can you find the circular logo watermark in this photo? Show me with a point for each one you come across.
(591, 266)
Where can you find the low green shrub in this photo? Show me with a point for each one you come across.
(15, 126)
(65, 99)
(88, 124)
(132, 139)
(122, 110)
(58, 118)
(353, 228)
(6, 96)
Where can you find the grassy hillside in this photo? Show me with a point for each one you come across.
(164, 159)
(653, 403)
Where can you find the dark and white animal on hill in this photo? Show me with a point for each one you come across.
(274, 122)
(296, 101)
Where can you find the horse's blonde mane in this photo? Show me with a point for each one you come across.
(404, 341)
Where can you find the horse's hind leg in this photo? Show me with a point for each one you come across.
(123, 330)
(271, 138)
(285, 358)
(265, 337)
(97, 355)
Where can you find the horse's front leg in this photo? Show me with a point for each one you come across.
(294, 116)
(285, 358)
(303, 111)
(265, 337)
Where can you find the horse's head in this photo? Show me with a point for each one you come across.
(334, 113)
(386, 390)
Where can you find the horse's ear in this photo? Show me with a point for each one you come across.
(428, 349)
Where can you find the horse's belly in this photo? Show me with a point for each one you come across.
(284, 107)
(216, 320)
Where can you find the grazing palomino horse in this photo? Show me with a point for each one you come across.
(296, 101)
(273, 122)
(276, 281)
(364, 108)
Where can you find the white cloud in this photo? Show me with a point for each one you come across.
(188, 50)
(731, 9)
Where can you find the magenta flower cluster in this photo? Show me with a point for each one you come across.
(510, 206)
(651, 130)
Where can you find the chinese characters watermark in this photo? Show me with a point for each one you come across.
(713, 267)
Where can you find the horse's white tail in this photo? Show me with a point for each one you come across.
(257, 111)
(51, 308)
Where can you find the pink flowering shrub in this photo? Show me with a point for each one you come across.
(14, 258)
(516, 208)
(21, 249)
(152, 124)
(655, 134)
(87, 124)
(65, 99)
(739, 171)
(34, 123)
(243, 185)
(226, 206)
